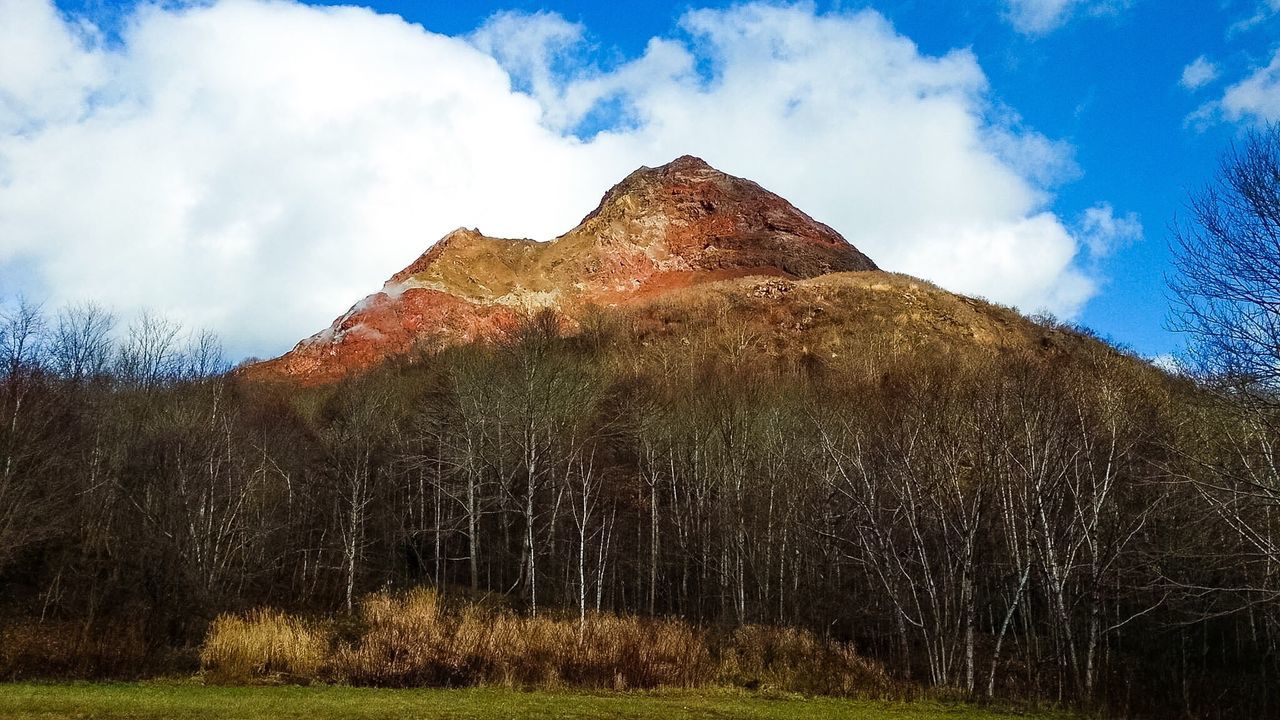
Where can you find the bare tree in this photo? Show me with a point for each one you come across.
(358, 437)
(543, 400)
(1226, 289)
(81, 346)
(152, 353)
(203, 357)
(22, 452)
(22, 338)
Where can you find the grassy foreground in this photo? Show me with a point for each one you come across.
(143, 701)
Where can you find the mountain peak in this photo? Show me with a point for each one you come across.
(690, 206)
(687, 163)
(684, 163)
(658, 230)
(686, 171)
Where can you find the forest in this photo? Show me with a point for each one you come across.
(1071, 527)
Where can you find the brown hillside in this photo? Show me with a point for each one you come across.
(842, 318)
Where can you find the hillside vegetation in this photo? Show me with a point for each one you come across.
(980, 504)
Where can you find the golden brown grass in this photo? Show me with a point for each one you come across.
(414, 639)
(264, 645)
(835, 315)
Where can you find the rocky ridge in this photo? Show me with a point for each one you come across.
(658, 230)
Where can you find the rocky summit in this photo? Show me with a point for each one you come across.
(658, 230)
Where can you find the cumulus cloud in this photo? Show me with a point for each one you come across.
(1102, 231)
(537, 49)
(1040, 17)
(255, 166)
(46, 65)
(1257, 97)
(1198, 73)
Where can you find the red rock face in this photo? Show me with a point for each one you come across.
(658, 230)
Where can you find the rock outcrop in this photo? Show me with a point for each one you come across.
(659, 230)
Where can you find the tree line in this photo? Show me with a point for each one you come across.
(1077, 527)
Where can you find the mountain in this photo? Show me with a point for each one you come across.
(659, 230)
(673, 251)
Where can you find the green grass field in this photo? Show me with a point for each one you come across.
(175, 701)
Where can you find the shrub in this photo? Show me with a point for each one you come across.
(264, 645)
(415, 639)
(71, 650)
(796, 660)
(407, 641)
(631, 652)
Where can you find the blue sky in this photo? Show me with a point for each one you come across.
(1067, 122)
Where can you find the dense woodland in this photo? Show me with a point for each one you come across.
(1066, 526)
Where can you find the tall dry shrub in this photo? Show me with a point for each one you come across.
(631, 652)
(408, 641)
(414, 639)
(797, 661)
(527, 652)
(264, 645)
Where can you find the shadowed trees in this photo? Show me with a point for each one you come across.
(1016, 524)
(1227, 293)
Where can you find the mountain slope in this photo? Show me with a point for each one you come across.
(659, 230)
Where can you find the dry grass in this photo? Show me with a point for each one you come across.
(407, 641)
(414, 639)
(264, 645)
(71, 650)
(798, 661)
(834, 315)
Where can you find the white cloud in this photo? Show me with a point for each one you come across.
(1036, 17)
(1263, 11)
(1256, 97)
(1102, 231)
(255, 166)
(535, 49)
(1040, 17)
(46, 66)
(1199, 73)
